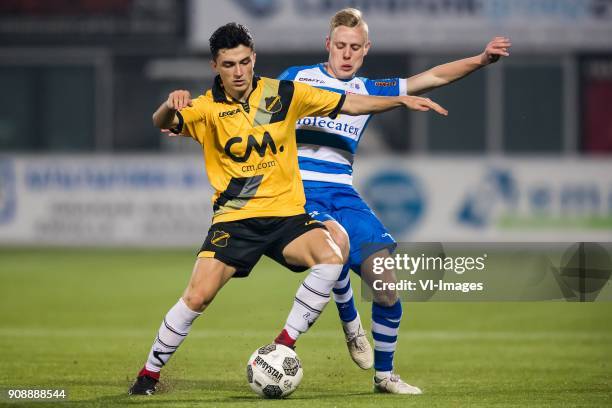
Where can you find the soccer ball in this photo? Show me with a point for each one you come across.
(274, 371)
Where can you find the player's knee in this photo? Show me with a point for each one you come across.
(341, 239)
(385, 298)
(330, 255)
(197, 301)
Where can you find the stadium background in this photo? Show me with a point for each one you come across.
(119, 208)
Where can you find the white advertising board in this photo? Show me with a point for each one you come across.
(124, 200)
(165, 200)
(426, 25)
(490, 200)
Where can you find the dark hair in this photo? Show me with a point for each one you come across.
(230, 35)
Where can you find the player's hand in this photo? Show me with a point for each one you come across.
(168, 132)
(498, 47)
(422, 104)
(179, 99)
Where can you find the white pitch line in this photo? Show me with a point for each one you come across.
(29, 332)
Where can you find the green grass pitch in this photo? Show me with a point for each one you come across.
(84, 320)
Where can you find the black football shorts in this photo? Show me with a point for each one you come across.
(241, 243)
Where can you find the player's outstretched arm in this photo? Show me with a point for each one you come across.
(446, 73)
(364, 104)
(165, 116)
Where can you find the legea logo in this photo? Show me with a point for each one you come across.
(259, 8)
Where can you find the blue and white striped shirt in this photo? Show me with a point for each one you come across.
(326, 147)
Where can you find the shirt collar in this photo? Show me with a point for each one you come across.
(219, 93)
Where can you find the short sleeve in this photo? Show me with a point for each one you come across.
(313, 101)
(193, 119)
(288, 74)
(386, 87)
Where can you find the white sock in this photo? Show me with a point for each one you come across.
(311, 298)
(383, 374)
(172, 332)
(352, 326)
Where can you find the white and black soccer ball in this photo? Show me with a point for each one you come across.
(274, 371)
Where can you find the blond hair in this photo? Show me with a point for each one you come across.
(348, 17)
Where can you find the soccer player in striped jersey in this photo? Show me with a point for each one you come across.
(326, 148)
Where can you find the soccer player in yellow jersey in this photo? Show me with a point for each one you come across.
(246, 126)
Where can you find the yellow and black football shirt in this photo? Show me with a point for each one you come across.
(250, 149)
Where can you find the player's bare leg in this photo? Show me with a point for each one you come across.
(317, 250)
(340, 238)
(357, 342)
(386, 318)
(208, 277)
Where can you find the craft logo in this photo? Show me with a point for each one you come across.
(315, 80)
